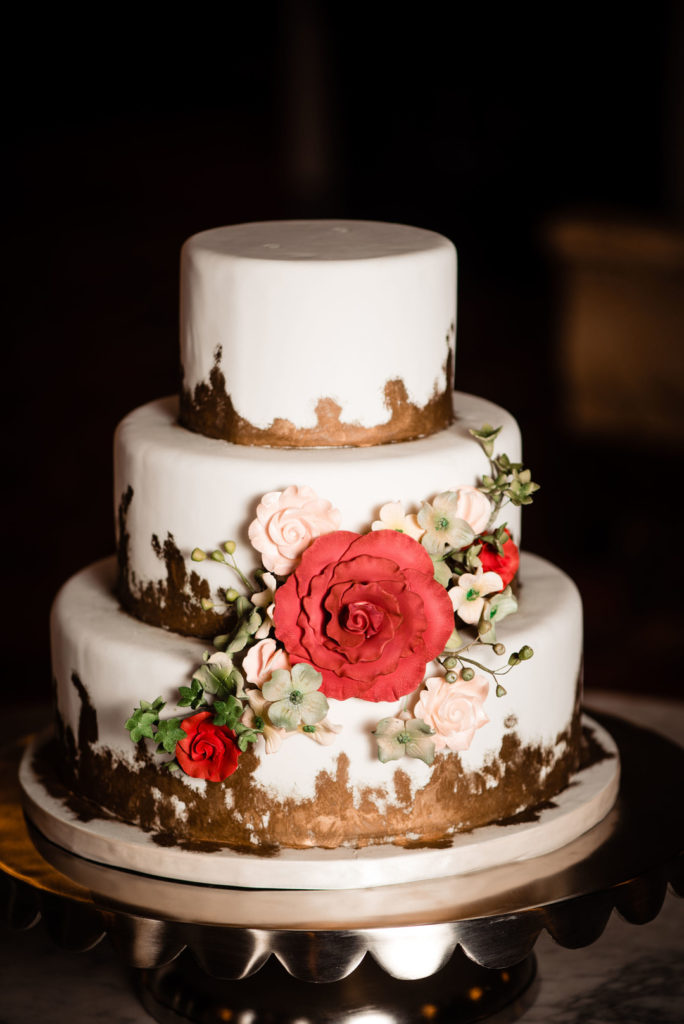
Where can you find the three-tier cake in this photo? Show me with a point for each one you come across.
(318, 631)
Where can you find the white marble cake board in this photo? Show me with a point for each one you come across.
(584, 803)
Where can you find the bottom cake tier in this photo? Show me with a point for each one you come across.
(306, 794)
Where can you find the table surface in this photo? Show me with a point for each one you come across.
(632, 974)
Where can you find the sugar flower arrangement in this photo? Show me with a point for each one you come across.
(335, 614)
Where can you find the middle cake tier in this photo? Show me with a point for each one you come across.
(175, 491)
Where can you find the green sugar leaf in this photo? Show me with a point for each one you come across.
(421, 747)
(227, 712)
(240, 640)
(214, 677)
(191, 696)
(169, 733)
(156, 705)
(454, 643)
(143, 721)
(246, 737)
(253, 622)
(389, 748)
(502, 605)
(243, 606)
(441, 571)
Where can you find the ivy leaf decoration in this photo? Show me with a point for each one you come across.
(144, 719)
(191, 696)
(227, 712)
(247, 735)
(169, 733)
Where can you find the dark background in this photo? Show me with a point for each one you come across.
(123, 138)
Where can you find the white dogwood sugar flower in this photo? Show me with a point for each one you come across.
(393, 517)
(294, 697)
(322, 732)
(468, 597)
(445, 529)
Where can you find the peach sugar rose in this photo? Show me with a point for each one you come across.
(262, 660)
(454, 710)
(286, 523)
(473, 506)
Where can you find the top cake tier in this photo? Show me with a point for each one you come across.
(317, 333)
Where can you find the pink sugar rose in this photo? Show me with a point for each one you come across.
(453, 710)
(473, 506)
(262, 660)
(286, 523)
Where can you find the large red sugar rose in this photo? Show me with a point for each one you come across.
(366, 612)
(210, 751)
(505, 565)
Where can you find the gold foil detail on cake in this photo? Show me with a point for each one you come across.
(514, 779)
(209, 410)
(174, 602)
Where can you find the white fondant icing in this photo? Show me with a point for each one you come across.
(204, 491)
(304, 310)
(180, 808)
(120, 660)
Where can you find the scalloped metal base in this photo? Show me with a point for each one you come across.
(584, 803)
(461, 991)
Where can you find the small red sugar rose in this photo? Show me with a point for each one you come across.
(210, 751)
(366, 612)
(505, 565)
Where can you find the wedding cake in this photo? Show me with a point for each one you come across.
(318, 630)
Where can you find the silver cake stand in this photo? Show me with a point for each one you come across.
(454, 949)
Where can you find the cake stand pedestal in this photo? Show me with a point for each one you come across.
(454, 949)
